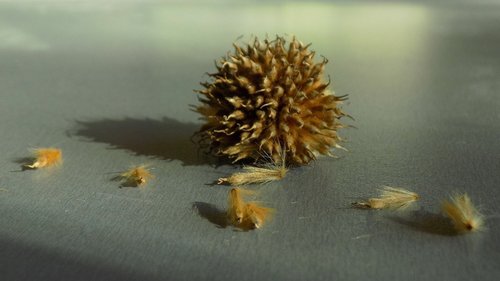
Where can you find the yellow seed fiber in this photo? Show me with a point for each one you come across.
(138, 175)
(45, 157)
(255, 175)
(463, 214)
(390, 198)
(245, 215)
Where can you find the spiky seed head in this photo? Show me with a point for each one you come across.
(266, 96)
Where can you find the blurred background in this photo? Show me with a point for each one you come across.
(110, 82)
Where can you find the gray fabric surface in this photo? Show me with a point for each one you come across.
(110, 84)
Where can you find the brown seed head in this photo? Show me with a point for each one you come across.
(266, 96)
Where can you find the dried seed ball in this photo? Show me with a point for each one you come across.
(266, 96)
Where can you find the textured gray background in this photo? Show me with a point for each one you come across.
(110, 84)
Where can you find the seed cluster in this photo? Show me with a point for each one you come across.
(266, 97)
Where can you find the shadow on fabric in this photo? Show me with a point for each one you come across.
(29, 262)
(165, 138)
(427, 222)
(211, 213)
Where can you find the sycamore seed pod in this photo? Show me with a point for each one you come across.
(269, 94)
